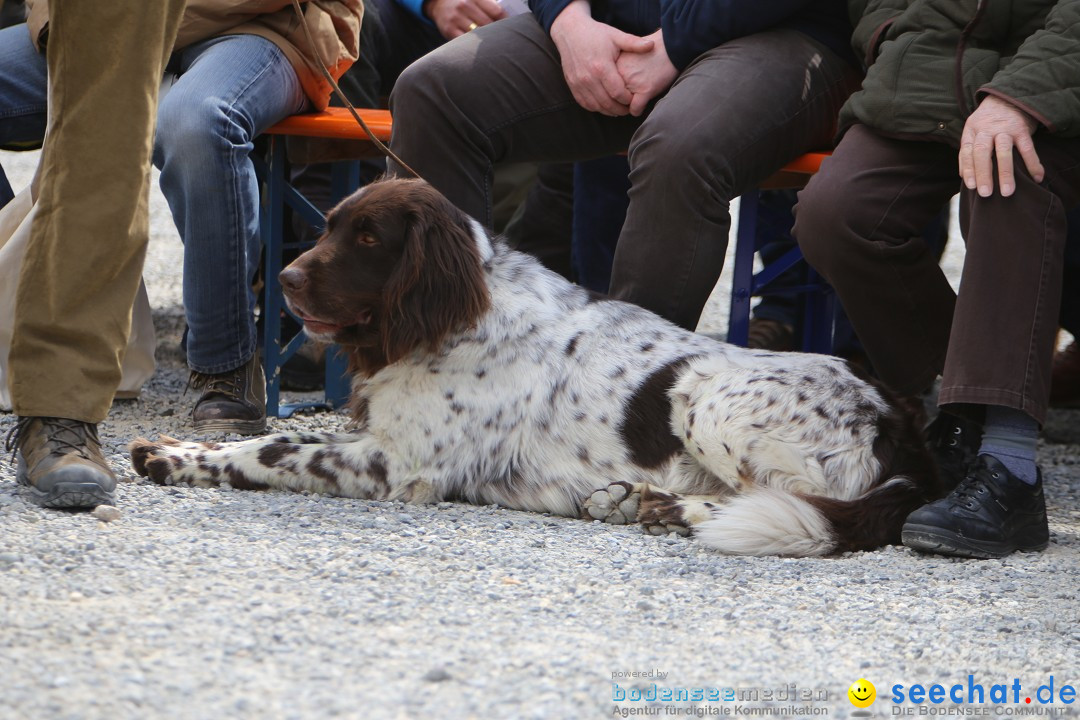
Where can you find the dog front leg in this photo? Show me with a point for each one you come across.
(343, 465)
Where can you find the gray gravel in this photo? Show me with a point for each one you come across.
(191, 603)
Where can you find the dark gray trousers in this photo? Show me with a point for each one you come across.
(860, 222)
(731, 119)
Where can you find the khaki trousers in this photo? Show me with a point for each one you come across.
(88, 242)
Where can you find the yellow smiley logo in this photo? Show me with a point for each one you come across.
(862, 693)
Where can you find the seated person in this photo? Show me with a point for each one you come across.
(710, 98)
(1015, 135)
(532, 205)
(232, 79)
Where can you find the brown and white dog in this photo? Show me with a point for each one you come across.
(482, 377)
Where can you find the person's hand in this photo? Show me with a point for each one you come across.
(993, 130)
(589, 50)
(646, 74)
(457, 17)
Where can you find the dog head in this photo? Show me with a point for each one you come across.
(397, 270)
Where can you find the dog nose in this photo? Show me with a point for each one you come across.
(292, 279)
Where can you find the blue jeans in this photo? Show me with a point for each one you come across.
(229, 89)
(23, 96)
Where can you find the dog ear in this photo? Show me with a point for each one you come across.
(438, 285)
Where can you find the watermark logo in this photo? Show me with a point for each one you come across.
(862, 693)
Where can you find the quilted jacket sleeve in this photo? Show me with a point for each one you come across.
(871, 19)
(1043, 78)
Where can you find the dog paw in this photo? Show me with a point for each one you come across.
(151, 459)
(661, 513)
(616, 504)
(146, 462)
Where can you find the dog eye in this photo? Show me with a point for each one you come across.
(367, 239)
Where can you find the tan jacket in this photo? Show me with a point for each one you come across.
(334, 24)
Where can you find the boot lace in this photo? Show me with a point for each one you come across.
(229, 384)
(64, 436)
(954, 443)
(974, 489)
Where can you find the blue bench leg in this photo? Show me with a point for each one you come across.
(273, 213)
(819, 301)
(743, 281)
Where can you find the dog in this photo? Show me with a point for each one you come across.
(480, 376)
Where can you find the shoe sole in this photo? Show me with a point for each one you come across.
(237, 427)
(925, 538)
(65, 495)
(70, 496)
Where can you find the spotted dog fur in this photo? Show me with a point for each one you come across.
(479, 376)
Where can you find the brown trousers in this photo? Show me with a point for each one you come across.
(733, 117)
(88, 242)
(859, 222)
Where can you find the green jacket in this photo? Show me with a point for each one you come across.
(931, 61)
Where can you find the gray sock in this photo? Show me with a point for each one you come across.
(1012, 437)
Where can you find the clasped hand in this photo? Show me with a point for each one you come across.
(610, 71)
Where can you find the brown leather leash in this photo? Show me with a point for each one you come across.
(337, 91)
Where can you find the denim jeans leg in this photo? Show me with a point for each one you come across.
(24, 88)
(229, 90)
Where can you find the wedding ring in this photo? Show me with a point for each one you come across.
(472, 26)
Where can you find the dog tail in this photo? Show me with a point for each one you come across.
(767, 521)
(770, 521)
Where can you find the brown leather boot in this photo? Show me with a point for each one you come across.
(60, 463)
(232, 402)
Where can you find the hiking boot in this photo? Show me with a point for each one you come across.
(989, 515)
(954, 443)
(232, 402)
(1065, 377)
(766, 334)
(60, 463)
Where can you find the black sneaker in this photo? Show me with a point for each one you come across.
(232, 402)
(954, 443)
(60, 463)
(989, 515)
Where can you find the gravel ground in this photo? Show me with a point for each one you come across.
(216, 604)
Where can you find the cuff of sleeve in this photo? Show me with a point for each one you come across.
(416, 7)
(679, 53)
(1039, 117)
(875, 42)
(546, 12)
